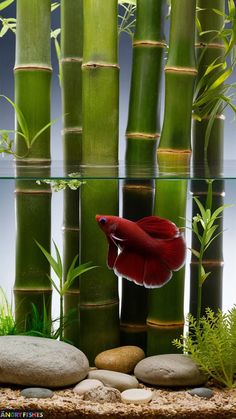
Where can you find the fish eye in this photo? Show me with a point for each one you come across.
(103, 220)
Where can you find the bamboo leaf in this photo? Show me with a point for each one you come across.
(43, 129)
(59, 261)
(55, 266)
(5, 4)
(221, 79)
(54, 6)
(195, 252)
(20, 119)
(201, 208)
(54, 284)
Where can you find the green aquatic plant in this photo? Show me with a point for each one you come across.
(204, 226)
(7, 322)
(211, 343)
(72, 273)
(62, 184)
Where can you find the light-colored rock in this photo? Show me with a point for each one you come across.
(103, 395)
(169, 370)
(87, 385)
(37, 393)
(114, 379)
(121, 359)
(136, 395)
(34, 361)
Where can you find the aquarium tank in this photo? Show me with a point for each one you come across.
(117, 169)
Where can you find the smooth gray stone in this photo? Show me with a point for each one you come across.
(103, 395)
(114, 379)
(37, 392)
(34, 361)
(169, 370)
(207, 393)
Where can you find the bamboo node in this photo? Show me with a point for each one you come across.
(33, 191)
(71, 60)
(26, 67)
(183, 70)
(142, 135)
(173, 151)
(209, 45)
(75, 229)
(95, 65)
(133, 327)
(33, 290)
(149, 43)
(161, 325)
(103, 304)
(138, 188)
(72, 130)
(209, 263)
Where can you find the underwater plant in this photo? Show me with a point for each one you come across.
(205, 226)
(71, 274)
(211, 342)
(7, 322)
(208, 142)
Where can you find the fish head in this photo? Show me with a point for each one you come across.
(107, 223)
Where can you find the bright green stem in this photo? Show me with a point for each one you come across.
(166, 304)
(100, 83)
(71, 84)
(180, 73)
(33, 202)
(148, 49)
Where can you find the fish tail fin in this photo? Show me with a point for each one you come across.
(173, 252)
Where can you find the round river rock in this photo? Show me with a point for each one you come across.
(34, 361)
(114, 379)
(121, 359)
(169, 370)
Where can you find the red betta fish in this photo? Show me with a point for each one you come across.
(150, 249)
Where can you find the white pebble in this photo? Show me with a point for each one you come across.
(136, 395)
(87, 385)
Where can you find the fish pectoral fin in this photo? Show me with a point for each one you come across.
(117, 239)
(112, 253)
(130, 265)
(156, 274)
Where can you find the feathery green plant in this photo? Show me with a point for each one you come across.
(211, 343)
(72, 273)
(61, 184)
(204, 227)
(7, 322)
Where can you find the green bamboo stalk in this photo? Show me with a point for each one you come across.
(99, 304)
(32, 96)
(209, 47)
(71, 84)
(143, 130)
(166, 305)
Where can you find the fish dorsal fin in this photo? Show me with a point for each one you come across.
(158, 227)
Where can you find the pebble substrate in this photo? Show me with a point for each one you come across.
(174, 404)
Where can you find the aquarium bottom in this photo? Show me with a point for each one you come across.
(174, 404)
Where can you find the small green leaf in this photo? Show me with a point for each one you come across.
(20, 119)
(55, 266)
(196, 253)
(5, 4)
(43, 129)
